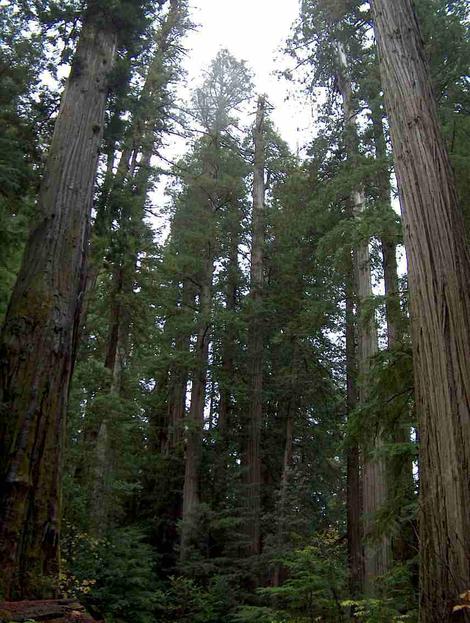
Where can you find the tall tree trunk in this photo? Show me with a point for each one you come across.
(255, 340)
(229, 346)
(374, 476)
(116, 354)
(388, 239)
(400, 479)
(292, 407)
(38, 338)
(439, 274)
(178, 381)
(354, 488)
(195, 421)
(376, 554)
(129, 189)
(141, 139)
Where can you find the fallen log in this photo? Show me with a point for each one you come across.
(44, 611)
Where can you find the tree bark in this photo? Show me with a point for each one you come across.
(255, 340)
(39, 336)
(374, 476)
(439, 274)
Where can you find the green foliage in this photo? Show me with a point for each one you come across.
(398, 600)
(315, 582)
(115, 576)
(187, 602)
(151, 293)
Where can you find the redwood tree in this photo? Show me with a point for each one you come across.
(439, 274)
(255, 338)
(38, 338)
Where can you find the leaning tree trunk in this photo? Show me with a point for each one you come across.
(374, 489)
(439, 274)
(255, 341)
(38, 338)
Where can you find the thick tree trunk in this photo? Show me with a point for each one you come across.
(374, 491)
(439, 274)
(38, 338)
(255, 341)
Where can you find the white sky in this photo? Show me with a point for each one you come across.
(254, 31)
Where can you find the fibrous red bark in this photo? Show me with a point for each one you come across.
(439, 274)
(39, 336)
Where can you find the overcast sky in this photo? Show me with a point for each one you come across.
(254, 31)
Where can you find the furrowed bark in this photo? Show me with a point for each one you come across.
(439, 274)
(39, 336)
